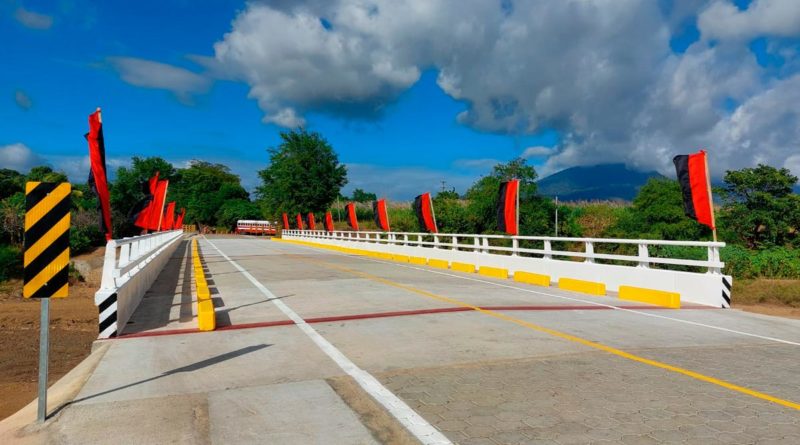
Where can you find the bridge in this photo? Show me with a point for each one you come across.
(362, 338)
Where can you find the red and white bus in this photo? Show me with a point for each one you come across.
(255, 227)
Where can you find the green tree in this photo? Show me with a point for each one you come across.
(451, 213)
(128, 189)
(759, 208)
(657, 213)
(362, 196)
(44, 173)
(304, 175)
(203, 188)
(234, 210)
(11, 181)
(536, 213)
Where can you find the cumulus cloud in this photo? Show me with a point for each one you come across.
(402, 183)
(23, 100)
(32, 19)
(149, 74)
(601, 73)
(538, 151)
(723, 20)
(19, 157)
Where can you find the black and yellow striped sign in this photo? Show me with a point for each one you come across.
(46, 239)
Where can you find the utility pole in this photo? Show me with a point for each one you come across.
(556, 215)
(443, 184)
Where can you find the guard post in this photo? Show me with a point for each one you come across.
(46, 261)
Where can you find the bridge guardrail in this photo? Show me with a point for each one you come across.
(130, 267)
(710, 288)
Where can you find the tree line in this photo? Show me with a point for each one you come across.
(758, 214)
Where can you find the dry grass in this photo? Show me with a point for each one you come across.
(764, 291)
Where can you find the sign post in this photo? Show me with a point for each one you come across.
(46, 261)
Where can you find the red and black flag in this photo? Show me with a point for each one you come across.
(179, 220)
(380, 214)
(328, 222)
(98, 180)
(299, 222)
(140, 213)
(312, 225)
(352, 219)
(157, 207)
(423, 206)
(507, 202)
(693, 177)
(169, 217)
(286, 221)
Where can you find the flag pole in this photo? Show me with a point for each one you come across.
(433, 214)
(710, 198)
(163, 202)
(517, 207)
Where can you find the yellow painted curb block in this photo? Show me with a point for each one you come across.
(441, 264)
(418, 260)
(203, 294)
(462, 267)
(206, 317)
(584, 287)
(400, 258)
(650, 296)
(532, 278)
(494, 272)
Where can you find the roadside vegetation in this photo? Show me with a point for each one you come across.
(758, 213)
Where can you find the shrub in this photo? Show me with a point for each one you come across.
(10, 262)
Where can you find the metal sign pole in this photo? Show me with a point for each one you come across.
(44, 349)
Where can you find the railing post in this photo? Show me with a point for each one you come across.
(109, 264)
(485, 245)
(548, 249)
(713, 256)
(589, 252)
(514, 246)
(455, 243)
(405, 239)
(644, 256)
(477, 244)
(435, 241)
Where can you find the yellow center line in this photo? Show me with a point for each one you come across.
(563, 335)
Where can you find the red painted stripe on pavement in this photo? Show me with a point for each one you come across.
(336, 318)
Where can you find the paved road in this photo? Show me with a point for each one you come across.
(309, 340)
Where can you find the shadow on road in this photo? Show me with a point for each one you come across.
(188, 368)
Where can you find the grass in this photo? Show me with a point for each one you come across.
(767, 291)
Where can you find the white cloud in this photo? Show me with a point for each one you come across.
(23, 100)
(601, 73)
(19, 157)
(32, 19)
(402, 183)
(723, 20)
(149, 74)
(538, 151)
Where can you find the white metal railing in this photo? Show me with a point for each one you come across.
(127, 255)
(482, 244)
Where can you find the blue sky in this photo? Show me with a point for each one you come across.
(406, 100)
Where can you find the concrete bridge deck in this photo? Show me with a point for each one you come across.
(308, 340)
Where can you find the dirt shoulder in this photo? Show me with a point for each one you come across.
(779, 298)
(73, 324)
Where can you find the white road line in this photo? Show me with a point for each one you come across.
(595, 303)
(413, 422)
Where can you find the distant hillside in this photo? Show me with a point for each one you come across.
(597, 182)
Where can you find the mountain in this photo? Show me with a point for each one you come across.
(597, 182)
